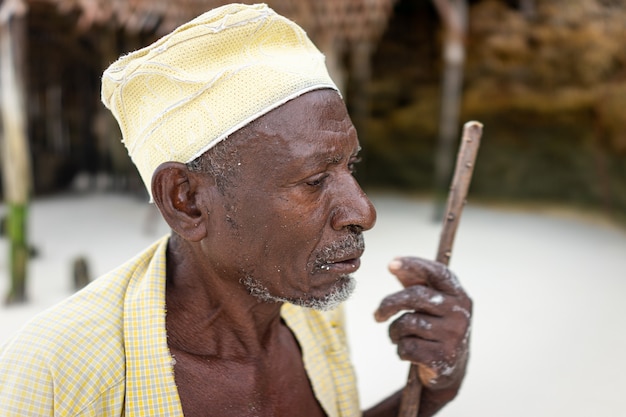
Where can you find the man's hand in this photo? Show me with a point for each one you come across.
(434, 330)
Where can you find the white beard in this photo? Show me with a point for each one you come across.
(338, 295)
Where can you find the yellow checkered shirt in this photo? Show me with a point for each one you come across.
(103, 352)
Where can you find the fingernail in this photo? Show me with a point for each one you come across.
(378, 316)
(395, 264)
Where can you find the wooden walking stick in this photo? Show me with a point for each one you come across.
(472, 132)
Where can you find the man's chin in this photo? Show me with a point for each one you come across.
(340, 293)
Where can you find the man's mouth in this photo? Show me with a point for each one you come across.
(346, 266)
(342, 257)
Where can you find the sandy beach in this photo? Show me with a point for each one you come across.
(549, 330)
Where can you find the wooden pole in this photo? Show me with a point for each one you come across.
(472, 132)
(453, 14)
(16, 167)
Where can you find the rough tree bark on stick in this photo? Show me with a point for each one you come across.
(453, 14)
(465, 161)
(16, 168)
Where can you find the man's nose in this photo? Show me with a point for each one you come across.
(353, 208)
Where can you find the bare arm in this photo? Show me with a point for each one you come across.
(431, 403)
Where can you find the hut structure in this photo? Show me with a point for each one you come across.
(70, 42)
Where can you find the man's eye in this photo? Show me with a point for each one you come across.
(317, 181)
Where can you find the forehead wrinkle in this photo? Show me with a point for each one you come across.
(343, 126)
(341, 134)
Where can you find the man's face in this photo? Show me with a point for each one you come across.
(289, 226)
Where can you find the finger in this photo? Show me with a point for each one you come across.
(417, 271)
(417, 298)
(414, 325)
(451, 333)
(422, 353)
(418, 351)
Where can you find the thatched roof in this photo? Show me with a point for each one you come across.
(68, 43)
(349, 20)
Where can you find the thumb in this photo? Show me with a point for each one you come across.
(418, 271)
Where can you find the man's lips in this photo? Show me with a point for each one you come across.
(341, 256)
(342, 266)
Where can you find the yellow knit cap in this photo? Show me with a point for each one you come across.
(192, 88)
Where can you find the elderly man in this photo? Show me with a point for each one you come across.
(247, 149)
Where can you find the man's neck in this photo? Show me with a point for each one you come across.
(211, 315)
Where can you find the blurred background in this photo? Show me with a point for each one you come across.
(547, 78)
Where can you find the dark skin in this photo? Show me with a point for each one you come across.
(293, 194)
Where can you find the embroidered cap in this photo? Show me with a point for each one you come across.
(178, 97)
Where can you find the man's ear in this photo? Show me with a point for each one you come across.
(175, 192)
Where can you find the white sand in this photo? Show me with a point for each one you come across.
(549, 333)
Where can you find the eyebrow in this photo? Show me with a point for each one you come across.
(335, 159)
